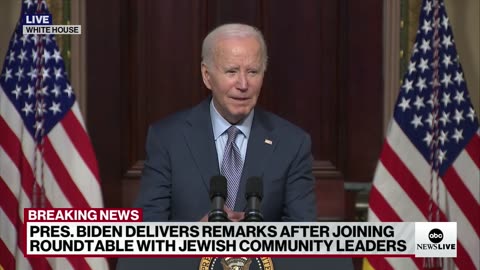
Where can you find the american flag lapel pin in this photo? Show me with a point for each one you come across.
(267, 141)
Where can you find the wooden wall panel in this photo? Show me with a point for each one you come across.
(301, 83)
(164, 66)
(106, 100)
(231, 11)
(363, 83)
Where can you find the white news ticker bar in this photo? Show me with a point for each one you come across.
(52, 29)
(200, 238)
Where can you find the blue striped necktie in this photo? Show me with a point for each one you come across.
(232, 166)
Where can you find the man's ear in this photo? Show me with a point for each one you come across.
(206, 76)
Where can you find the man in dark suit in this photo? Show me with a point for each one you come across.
(227, 134)
(185, 150)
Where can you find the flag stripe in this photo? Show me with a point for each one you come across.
(81, 175)
(8, 261)
(8, 216)
(466, 168)
(10, 171)
(9, 138)
(75, 262)
(11, 144)
(9, 113)
(6, 140)
(473, 149)
(97, 263)
(60, 172)
(8, 234)
(53, 190)
(14, 121)
(380, 263)
(464, 260)
(13, 149)
(409, 184)
(60, 263)
(388, 214)
(14, 220)
(79, 139)
(410, 156)
(382, 208)
(9, 209)
(422, 196)
(10, 204)
(463, 198)
(388, 189)
(394, 195)
(78, 115)
(405, 263)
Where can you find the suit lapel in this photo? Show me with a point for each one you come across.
(258, 152)
(199, 138)
(198, 135)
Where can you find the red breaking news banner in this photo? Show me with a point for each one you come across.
(83, 215)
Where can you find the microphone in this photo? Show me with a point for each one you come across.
(218, 194)
(254, 195)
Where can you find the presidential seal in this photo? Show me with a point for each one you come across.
(236, 263)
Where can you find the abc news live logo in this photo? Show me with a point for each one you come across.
(435, 239)
(41, 24)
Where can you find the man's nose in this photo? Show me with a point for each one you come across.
(242, 81)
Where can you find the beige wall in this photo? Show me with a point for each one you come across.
(9, 15)
(464, 18)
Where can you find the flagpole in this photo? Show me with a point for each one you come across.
(38, 199)
(434, 214)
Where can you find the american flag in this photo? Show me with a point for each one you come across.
(46, 159)
(429, 165)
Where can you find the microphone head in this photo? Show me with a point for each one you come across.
(254, 187)
(218, 186)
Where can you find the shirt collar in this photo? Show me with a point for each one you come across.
(220, 125)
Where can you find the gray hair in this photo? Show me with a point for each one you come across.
(232, 30)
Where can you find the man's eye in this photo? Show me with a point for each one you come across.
(253, 72)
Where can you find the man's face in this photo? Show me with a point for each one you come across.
(235, 77)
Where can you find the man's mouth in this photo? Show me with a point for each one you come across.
(240, 98)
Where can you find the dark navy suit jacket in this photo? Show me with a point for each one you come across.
(181, 159)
